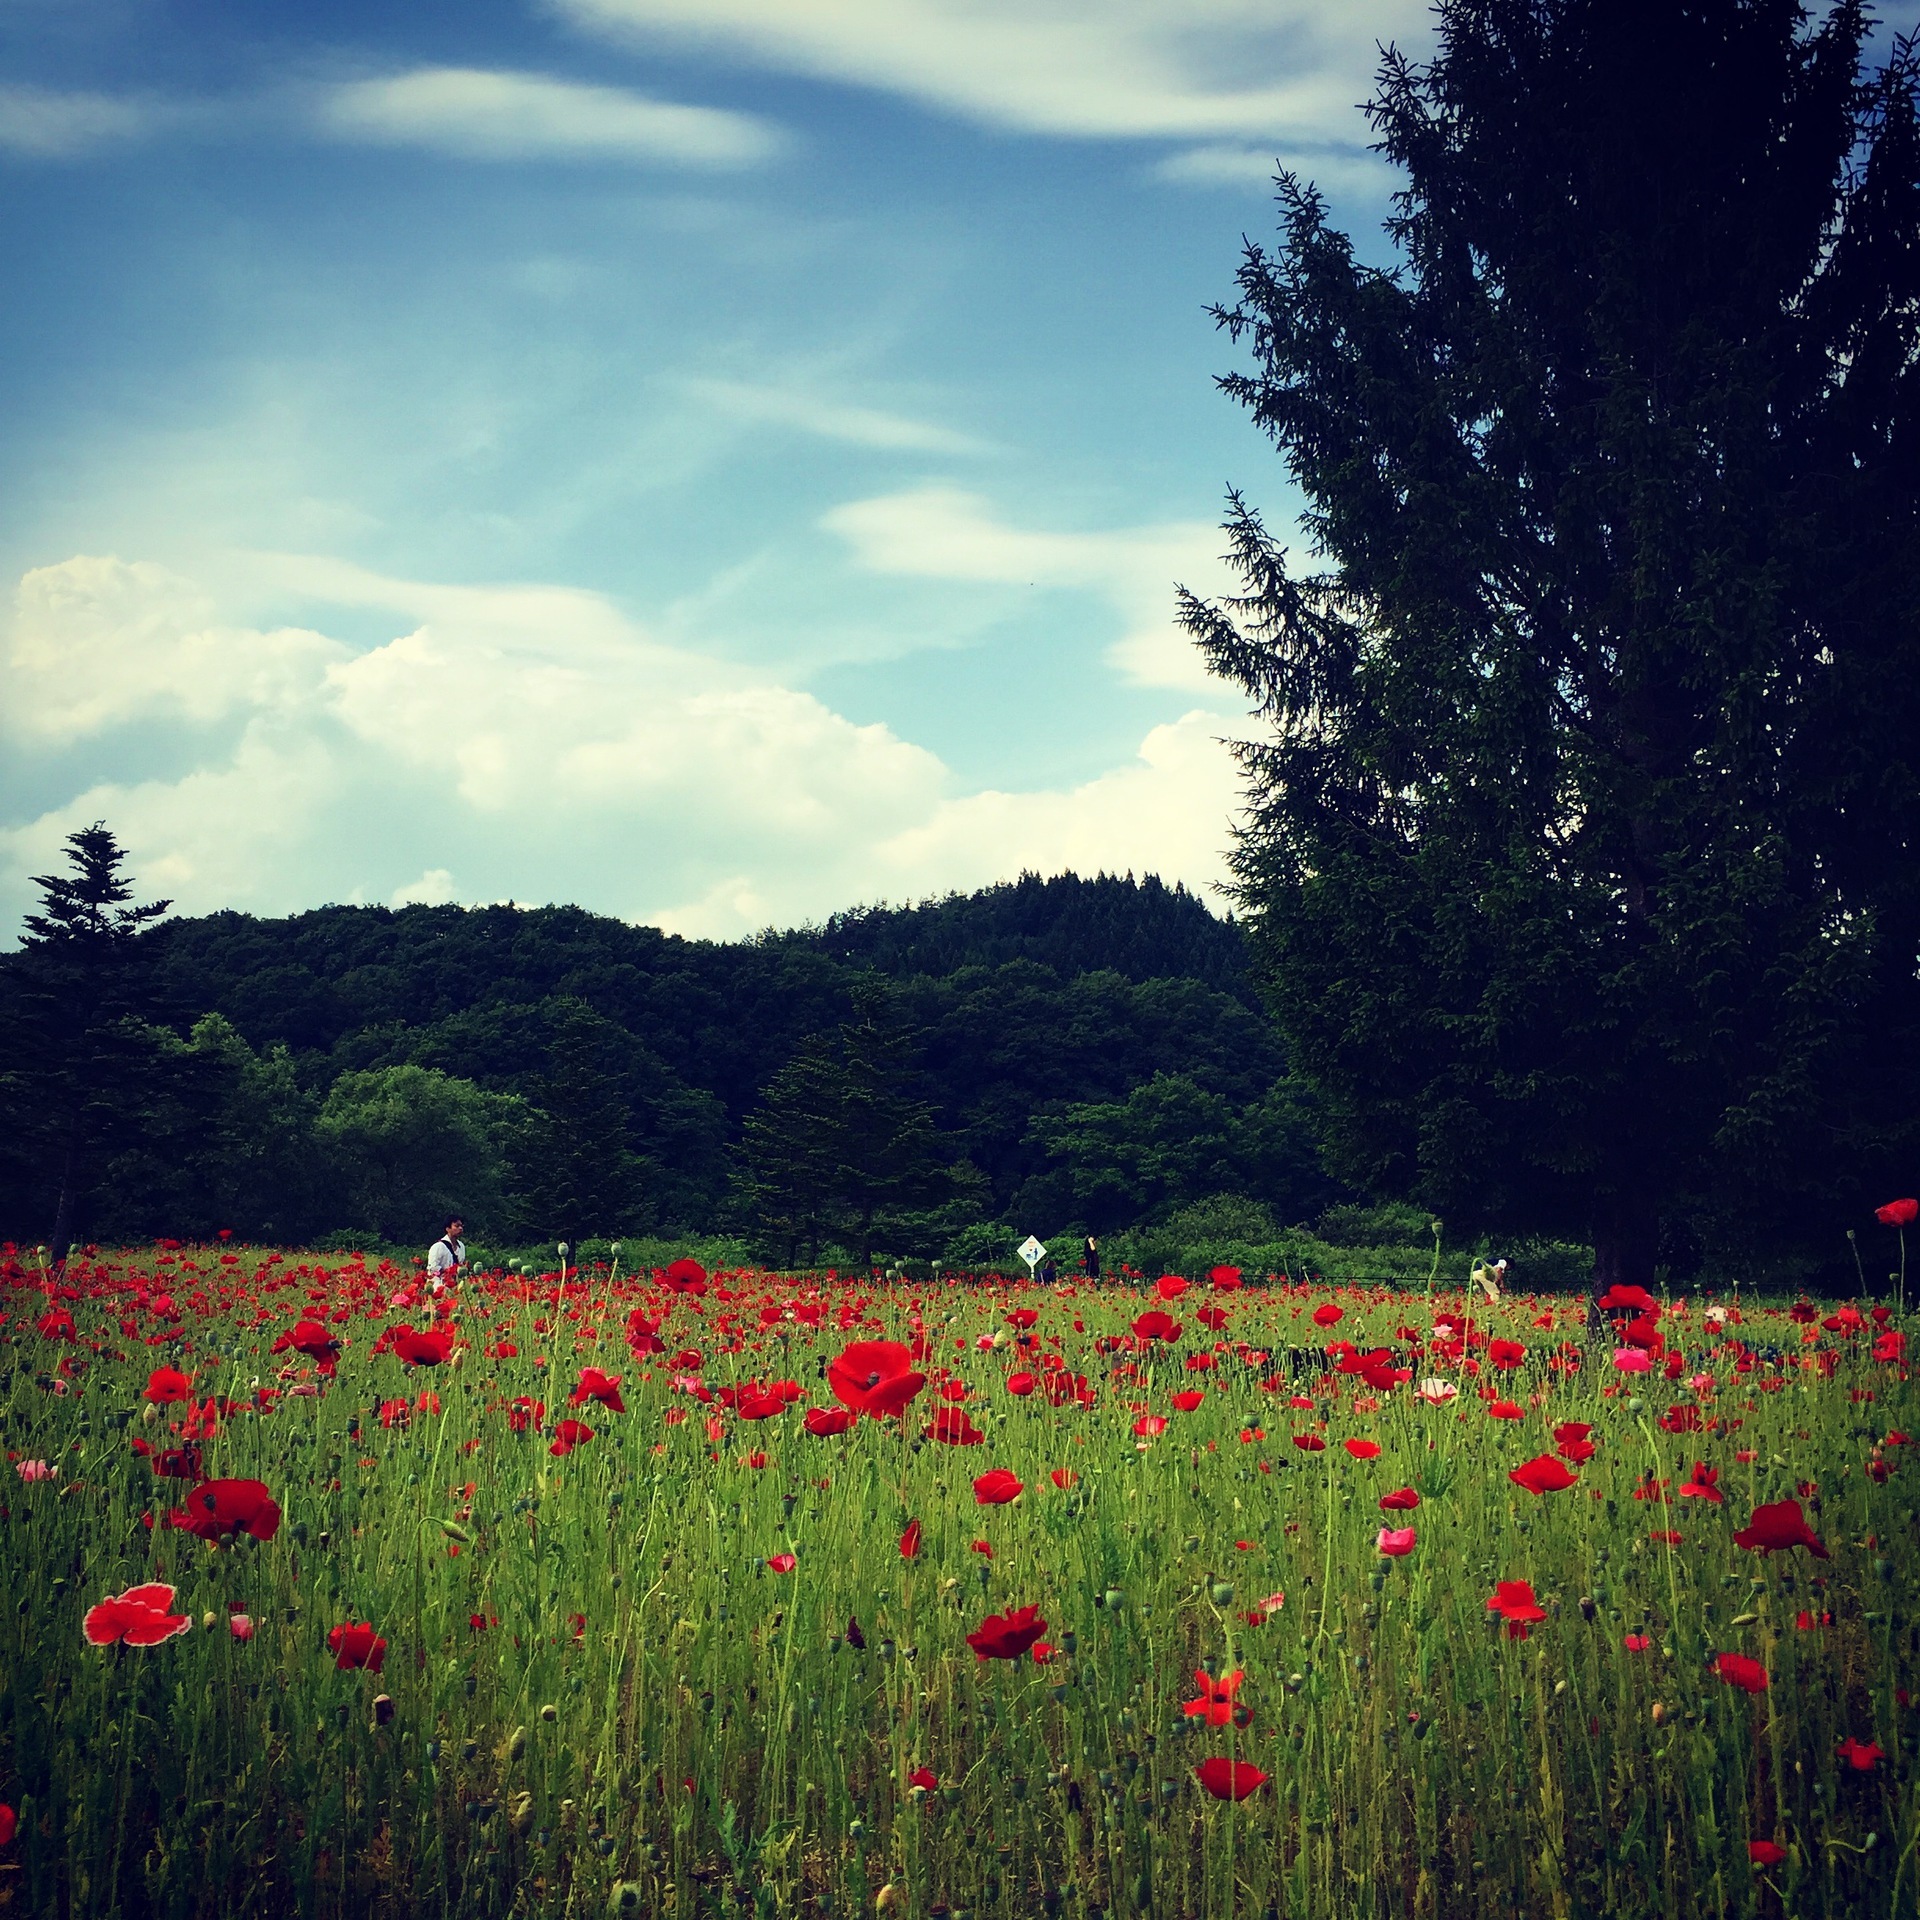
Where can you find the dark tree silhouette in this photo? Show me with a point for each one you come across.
(82, 1054)
(1581, 849)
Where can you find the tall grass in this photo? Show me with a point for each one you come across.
(648, 1719)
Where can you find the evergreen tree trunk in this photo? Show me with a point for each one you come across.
(1626, 1240)
(62, 1238)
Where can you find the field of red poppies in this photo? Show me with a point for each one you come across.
(740, 1593)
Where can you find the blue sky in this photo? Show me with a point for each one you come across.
(713, 460)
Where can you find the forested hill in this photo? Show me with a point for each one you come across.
(1085, 1053)
(1148, 931)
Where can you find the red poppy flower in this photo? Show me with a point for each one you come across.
(218, 1508)
(1570, 1441)
(1326, 1314)
(140, 1617)
(1506, 1410)
(1897, 1213)
(1226, 1279)
(1765, 1853)
(357, 1646)
(1229, 1779)
(1777, 1527)
(1636, 1642)
(1064, 1477)
(568, 1434)
(781, 1563)
(875, 1377)
(824, 1422)
(1021, 1383)
(1861, 1756)
(1022, 1318)
(1513, 1601)
(1395, 1542)
(687, 1276)
(9, 1824)
(1309, 1443)
(1740, 1670)
(910, 1541)
(1619, 1299)
(602, 1387)
(997, 1487)
(1543, 1474)
(1362, 1449)
(168, 1384)
(1506, 1354)
(1703, 1484)
(924, 1778)
(1156, 1325)
(951, 1426)
(1150, 1426)
(1216, 1703)
(1212, 1317)
(312, 1338)
(1189, 1400)
(1006, 1636)
(984, 1548)
(419, 1349)
(1170, 1286)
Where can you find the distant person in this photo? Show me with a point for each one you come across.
(1049, 1273)
(446, 1257)
(1090, 1258)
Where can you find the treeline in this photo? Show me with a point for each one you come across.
(1069, 1055)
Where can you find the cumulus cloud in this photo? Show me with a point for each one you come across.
(538, 744)
(476, 114)
(96, 643)
(831, 420)
(53, 125)
(943, 533)
(1125, 68)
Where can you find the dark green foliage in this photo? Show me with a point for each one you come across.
(80, 1060)
(1143, 931)
(633, 1059)
(1582, 849)
(844, 1147)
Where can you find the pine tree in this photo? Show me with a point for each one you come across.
(81, 1057)
(1581, 851)
(790, 1153)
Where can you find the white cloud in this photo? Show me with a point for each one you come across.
(482, 115)
(831, 420)
(434, 888)
(95, 643)
(1128, 68)
(537, 743)
(58, 126)
(1348, 171)
(945, 534)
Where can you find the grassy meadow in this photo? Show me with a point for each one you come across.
(700, 1653)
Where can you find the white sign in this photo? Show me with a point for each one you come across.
(1032, 1252)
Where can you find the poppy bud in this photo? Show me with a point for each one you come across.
(886, 1899)
(1659, 1714)
(206, 1620)
(549, 1712)
(382, 1709)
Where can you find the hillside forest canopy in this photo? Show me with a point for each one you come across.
(1072, 1055)
(1065, 1056)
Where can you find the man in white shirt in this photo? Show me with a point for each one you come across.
(446, 1257)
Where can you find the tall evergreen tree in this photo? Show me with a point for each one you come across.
(81, 1059)
(1581, 851)
(582, 1178)
(790, 1156)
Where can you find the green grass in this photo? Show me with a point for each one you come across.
(709, 1742)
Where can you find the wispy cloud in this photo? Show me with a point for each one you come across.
(477, 114)
(832, 420)
(52, 125)
(1346, 171)
(943, 533)
(1126, 68)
